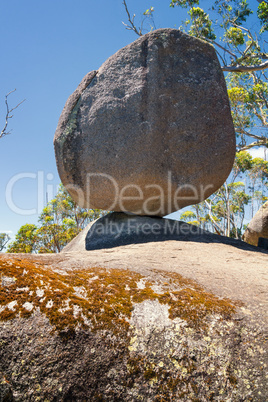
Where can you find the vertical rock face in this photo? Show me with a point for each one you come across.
(258, 226)
(149, 132)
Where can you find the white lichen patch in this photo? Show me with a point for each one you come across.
(246, 311)
(94, 278)
(141, 284)
(179, 324)
(40, 292)
(150, 314)
(76, 310)
(49, 304)
(25, 289)
(11, 305)
(157, 289)
(42, 300)
(65, 307)
(28, 306)
(7, 281)
(80, 291)
(86, 320)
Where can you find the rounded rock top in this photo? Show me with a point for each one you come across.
(151, 131)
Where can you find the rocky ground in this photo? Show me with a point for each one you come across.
(166, 321)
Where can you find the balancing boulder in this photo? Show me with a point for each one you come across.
(151, 131)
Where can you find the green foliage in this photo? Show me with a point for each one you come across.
(232, 11)
(184, 3)
(224, 211)
(248, 94)
(4, 239)
(263, 15)
(243, 162)
(60, 221)
(237, 48)
(149, 12)
(202, 25)
(241, 12)
(25, 240)
(190, 217)
(235, 36)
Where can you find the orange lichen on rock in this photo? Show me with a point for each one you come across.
(99, 298)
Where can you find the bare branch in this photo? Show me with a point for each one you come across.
(220, 56)
(220, 46)
(244, 69)
(132, 26)
(9, 114)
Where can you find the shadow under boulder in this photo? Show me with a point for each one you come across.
(119, 229)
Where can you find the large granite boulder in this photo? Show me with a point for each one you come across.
(258, 226)
(151, 131)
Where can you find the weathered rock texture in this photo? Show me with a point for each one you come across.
(258, 226)
(149, 132)
(72, 333)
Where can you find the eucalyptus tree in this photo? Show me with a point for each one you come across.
(4, 239)
(60, 221)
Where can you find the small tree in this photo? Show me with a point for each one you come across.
(4, 239)
(224, 211)
(25, 240)
(60, 221)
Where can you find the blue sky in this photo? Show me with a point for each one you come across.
(46, 48)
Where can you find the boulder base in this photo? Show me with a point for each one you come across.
(151, 131)
(119, 229)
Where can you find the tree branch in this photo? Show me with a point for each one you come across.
(8, 114)
(260, 143)
(132, 26)
(212, 218)
(244, 69)
(256, 137)
(220, 46)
